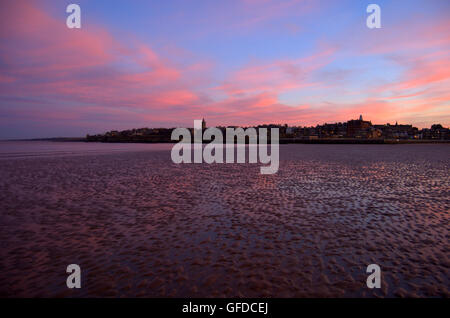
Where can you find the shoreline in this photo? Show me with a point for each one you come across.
(282, 141)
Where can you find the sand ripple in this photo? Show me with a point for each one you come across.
(138, 225)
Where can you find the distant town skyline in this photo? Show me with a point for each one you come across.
(236, 62)
(353, 129)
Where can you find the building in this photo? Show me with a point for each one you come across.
(358, 128)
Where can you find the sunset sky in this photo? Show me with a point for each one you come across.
(234, 62)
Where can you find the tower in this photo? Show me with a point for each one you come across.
(203, 124)
(360, 117)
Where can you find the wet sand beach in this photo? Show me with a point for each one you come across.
(140, 226)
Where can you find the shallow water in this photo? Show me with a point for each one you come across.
(139, 225)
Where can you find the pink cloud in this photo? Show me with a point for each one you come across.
(81, 72)
(82, 65)
(276, 76)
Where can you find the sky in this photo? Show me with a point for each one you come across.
(159, 63)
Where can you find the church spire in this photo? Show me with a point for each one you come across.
(203, 124)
